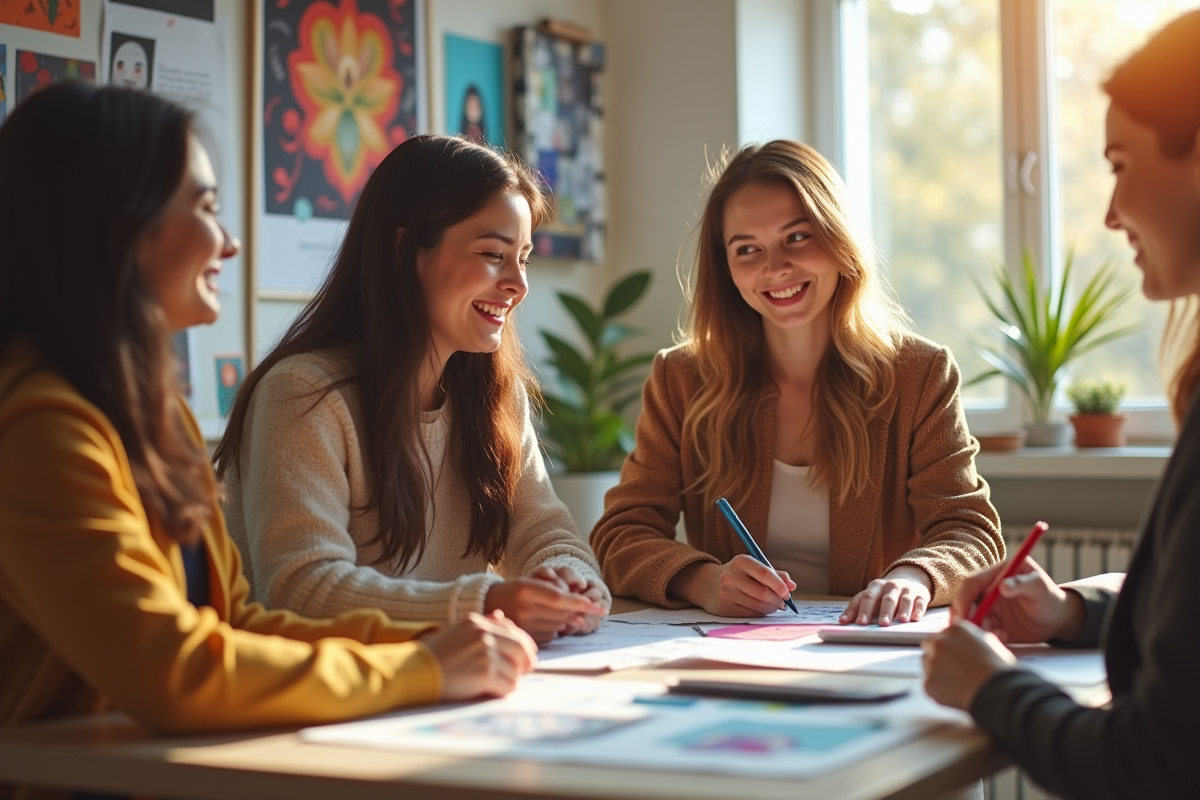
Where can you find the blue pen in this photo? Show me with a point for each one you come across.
(751, 545)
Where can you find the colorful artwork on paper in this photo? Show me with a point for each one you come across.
(3, 82)
(475, 89)
(230, 371)
(525, 726)
(758, 738)
(55, 16)
(339, 92)
(557, 128)
(38, 70)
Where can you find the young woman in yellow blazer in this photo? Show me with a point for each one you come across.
(118, 583)
(801, 396)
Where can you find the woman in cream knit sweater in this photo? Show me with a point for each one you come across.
(382, 455)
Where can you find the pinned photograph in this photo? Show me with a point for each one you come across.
(131, 61)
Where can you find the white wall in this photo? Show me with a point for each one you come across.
(672, 106)
(771, 70)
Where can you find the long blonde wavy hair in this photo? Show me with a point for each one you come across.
(857, 374)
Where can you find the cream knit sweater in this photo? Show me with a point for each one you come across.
(302, 474)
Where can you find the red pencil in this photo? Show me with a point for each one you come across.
(993, 592)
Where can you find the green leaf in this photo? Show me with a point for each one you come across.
(587, 320)
(625, 294)
(615, 333)
(569, 362)
(1041, 331)
(616, 368)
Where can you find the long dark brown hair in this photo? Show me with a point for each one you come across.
(856, 376)
(1159, 87)
(86, 173)
(371, 308)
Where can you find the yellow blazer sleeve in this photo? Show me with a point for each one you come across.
(79, 564)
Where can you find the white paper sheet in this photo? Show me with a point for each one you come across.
(617, 646)
(625, 724)
(1062, 667)
(812, 612)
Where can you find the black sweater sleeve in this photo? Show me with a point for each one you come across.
(1147, 744)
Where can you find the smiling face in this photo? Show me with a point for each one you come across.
(778, 266)
(1156, 201)
(180, 258)
(475, 278)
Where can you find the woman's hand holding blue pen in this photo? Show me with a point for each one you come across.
(900, 596)
(742, 587)
(1031, 609)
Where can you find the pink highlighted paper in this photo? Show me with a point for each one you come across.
(765, 633)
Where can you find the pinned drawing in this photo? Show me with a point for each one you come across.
(131, 61)
(230, 371)
(343, 85)
(339, 92)
(55, 16)
(475, 89)
(3, 82)
(38, 70)
(558, 130)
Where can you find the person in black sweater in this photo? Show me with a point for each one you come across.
(1147, 743)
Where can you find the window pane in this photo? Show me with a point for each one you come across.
(1091, 38)
(937, 165)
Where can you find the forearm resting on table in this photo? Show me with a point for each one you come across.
(690, 582)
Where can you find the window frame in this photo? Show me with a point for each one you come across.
(838, 106)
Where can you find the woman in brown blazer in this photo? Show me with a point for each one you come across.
(801, 396)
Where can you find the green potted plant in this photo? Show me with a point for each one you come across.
(583, 428)
(1097, 421)
(1039, 333)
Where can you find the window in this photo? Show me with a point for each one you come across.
(976, 132)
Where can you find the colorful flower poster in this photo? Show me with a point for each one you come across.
(3, 82)
(341, 88)
(474, 89)
(55, 16)
(38, 70)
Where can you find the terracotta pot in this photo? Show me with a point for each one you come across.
(1099, 430)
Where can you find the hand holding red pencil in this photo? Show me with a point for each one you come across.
(1014, 600)
(1026, 606)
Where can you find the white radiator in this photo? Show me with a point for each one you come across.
(1067, 554)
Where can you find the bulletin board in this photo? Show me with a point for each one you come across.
(177, 48)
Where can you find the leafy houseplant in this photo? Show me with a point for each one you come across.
(1040, 333)
(584, 428)
(1096, 420)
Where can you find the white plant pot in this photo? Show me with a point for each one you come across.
(583, 493)
(1047, 434)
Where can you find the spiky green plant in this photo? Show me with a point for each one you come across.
(1090, 396)
(1040, 333)
(583, 427)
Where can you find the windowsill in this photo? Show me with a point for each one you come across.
(1110, 463)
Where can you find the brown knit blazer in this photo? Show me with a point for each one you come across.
(924, 505)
